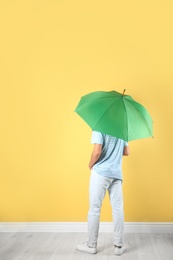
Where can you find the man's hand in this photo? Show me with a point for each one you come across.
(95, 155)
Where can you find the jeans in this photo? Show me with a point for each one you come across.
(98, 187)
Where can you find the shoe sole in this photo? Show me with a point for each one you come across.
(85, 251)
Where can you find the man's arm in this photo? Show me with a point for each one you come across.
(95, 155)
(126, 151)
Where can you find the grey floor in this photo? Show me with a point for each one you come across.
(62, 246)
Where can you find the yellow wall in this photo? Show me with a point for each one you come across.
(53, 52)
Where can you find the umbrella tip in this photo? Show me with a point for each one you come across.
(124, 92)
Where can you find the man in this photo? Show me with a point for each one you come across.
(106, 174)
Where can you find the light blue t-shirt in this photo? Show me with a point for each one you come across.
(109, 163)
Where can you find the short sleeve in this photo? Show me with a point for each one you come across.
(96, 138)
(125, 143)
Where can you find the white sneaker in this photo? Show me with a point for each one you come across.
(86, 249)
(120, 250)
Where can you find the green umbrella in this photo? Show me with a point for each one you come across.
(115, 114)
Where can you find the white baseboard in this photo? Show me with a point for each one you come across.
(106, 227)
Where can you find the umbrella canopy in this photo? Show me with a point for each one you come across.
(115, 114)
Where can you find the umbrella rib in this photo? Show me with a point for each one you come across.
(145, 123)
(126, 116)
(103, 114)
(141, 116)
